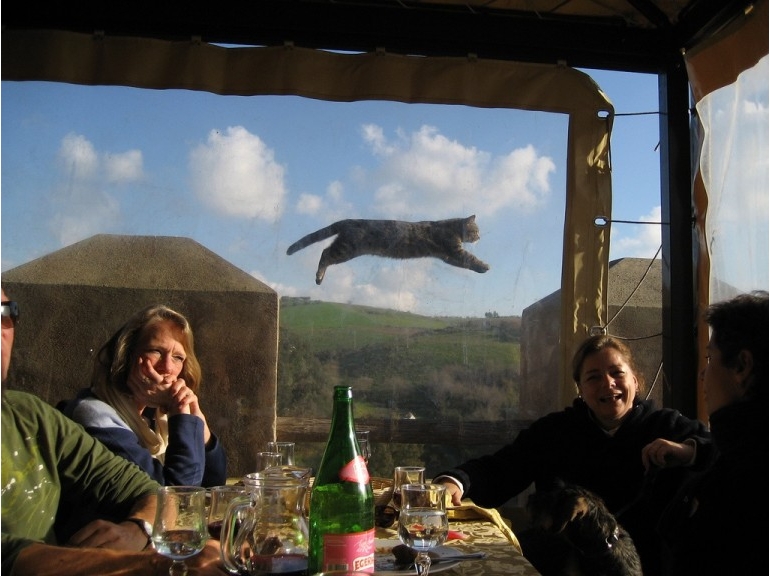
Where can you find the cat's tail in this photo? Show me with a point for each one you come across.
(313, 237)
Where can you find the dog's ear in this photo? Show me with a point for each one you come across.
(580, 508)
(570, 505)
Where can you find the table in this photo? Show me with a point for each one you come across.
(487, 532)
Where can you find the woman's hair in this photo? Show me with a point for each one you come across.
(118, 356)
(594, 344)
(741, 323)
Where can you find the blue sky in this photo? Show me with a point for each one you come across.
(247, 176)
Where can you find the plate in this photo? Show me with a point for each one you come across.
(385, 562)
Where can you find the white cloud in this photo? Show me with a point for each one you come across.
(330, 207)
(644, 241)
(81, 202)
(405, 285)
(281, 289)
(309, 204)
(78, 159)
(427, 173)
(125, 167)
(374, 282)
(79, 162)
(374, 135)
(236, 174)
(88, 217)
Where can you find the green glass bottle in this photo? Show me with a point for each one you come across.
(341, 502)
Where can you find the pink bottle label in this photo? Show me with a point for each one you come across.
(355, 471)
(349, 551)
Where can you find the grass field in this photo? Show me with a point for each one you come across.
(399, 365)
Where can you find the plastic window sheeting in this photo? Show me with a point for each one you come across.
(734, 168)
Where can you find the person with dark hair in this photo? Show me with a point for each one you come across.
(718, 523)
(143, 401)
(609, 441)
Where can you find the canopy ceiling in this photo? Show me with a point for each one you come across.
(634, 35)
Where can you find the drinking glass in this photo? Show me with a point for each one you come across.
(422, 522)
(179, 530)
(405, 475)
(285, 449)
(267, 460)
(364, 445)
(220, 499)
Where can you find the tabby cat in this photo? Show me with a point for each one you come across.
(441, 239)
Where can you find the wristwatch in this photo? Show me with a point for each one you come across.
(146, 527)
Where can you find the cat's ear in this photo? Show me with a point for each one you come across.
(471, 218)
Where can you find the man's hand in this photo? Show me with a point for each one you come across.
(103, 534)
(453, 490)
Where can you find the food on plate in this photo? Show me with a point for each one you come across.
(405, 555)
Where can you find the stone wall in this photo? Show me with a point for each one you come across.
(634, 303)
(74, 299)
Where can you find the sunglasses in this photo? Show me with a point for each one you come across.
(10, 313)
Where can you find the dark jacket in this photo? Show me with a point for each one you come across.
(718, 523)
(571, 446)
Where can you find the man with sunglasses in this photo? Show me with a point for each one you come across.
(45, 454)
(10, 313)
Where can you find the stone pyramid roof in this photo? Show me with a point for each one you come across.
(116, 261)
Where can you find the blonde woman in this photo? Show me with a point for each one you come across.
(143, 401)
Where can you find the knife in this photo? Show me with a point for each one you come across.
(469, 556)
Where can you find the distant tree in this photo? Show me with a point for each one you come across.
(304, 386)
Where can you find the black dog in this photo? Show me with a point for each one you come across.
(574, 534)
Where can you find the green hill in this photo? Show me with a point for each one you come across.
(400, 365)
(378, 350)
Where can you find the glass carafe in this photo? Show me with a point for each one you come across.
(266, 532)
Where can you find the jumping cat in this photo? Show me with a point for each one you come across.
(441, 239)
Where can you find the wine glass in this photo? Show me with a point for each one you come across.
(221, 496)
(405, 475)
(267, 460)
(364, 445)
(179, 531)
(422, 522)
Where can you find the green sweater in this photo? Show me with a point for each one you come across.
(46, 457)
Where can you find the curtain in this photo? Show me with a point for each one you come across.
(729, 79)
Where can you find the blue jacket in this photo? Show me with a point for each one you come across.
(187, 461)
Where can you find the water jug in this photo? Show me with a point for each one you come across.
(266, 532)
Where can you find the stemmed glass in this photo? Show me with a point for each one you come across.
(405, 475)
(179, 531)
(362, 436)
(422, 522)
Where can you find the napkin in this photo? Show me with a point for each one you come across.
(470, 511)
